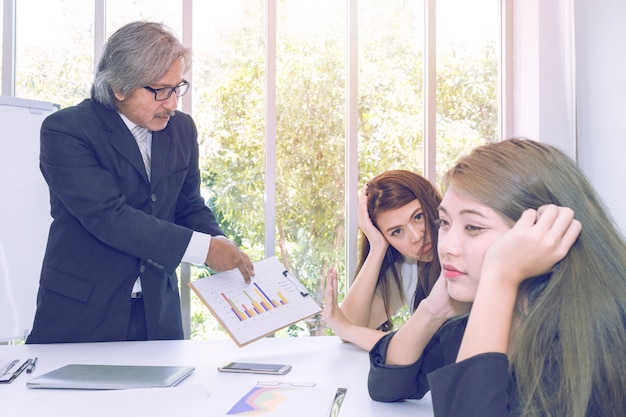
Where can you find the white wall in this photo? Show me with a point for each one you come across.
(544, 67)
(601, 98)
(570, 86)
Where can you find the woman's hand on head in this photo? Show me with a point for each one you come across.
(374, 236)
(538, 241)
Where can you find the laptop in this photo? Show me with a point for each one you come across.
(110, 377)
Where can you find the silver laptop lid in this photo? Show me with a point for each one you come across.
(83, 376)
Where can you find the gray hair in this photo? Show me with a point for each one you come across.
(136, 55)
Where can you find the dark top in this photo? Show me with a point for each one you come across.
(400, 382)
(478, 386)
(475, 387)
(111, 225)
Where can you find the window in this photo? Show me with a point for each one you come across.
(54, 50)
(467, 77)
(310, 142)
(229, 109)
(120, 12)
(390, 100)
(270, 101)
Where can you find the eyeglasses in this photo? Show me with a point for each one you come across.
(162, 94)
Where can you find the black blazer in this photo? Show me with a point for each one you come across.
(111, 225)
(480, 386)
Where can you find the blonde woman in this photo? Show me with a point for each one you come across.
(529, 316)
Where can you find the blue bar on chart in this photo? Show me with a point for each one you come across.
(259, 303)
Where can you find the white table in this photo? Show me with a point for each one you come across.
(324, 360)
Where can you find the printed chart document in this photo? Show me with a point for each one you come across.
(281, 399)
(274, 299)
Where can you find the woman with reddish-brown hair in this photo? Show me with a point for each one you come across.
(397, 264)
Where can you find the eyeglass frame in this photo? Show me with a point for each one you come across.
(156, 91)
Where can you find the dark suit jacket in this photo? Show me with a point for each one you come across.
(111, 225)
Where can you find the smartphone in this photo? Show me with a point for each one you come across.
(255, 368)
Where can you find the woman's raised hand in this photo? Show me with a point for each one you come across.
(375, 238)
(537, 241)
(332, 313)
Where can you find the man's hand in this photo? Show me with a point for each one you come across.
(224, 255)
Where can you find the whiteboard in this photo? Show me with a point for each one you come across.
(24, 213)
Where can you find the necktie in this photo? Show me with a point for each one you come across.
(142, 135)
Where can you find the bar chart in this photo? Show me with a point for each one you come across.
(273, 300)
(256, 301)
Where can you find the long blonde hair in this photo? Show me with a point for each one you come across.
(569, 355)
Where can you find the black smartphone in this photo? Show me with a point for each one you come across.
(255, 368)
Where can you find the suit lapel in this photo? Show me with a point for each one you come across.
(124, 142)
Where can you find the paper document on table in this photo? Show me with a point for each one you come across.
(282, 399)
(273, 300)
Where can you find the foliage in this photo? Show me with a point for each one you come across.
(310, 143)
(229, 109)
